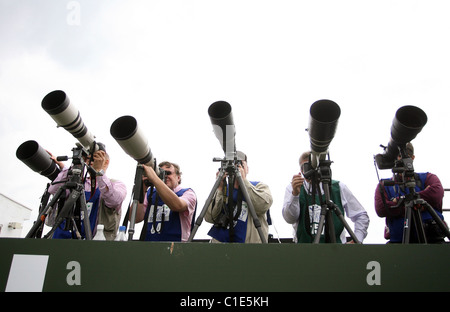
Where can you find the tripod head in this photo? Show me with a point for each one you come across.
(405, 177)
(80, 153)
(228, 164)
(403, 171)
(320, 173)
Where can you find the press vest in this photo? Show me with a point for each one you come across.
(240, 225)
(92, 207)
(167, 226)
(396, 225)
(310, 209)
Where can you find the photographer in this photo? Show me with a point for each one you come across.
(241, 229)
(172, 220)
(430, 189)
(302, 209)
(104, 206)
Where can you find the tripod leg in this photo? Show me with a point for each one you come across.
(251, 208)
(42, 205)
(323, 214)
(39, 221)
(132, 219)
(418, 226)
(330, 235)
(326, 211)
(438, 220)
(347, 227)
(407, 224)
(66, 212)
(199, 220)
(87, 223)
(137, 193)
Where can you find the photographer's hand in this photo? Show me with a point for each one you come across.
(242, 171)
(99, 160)
(297, 182)
(150, 174)
(59, 163)
(223, 179)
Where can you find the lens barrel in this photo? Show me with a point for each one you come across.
(37, 159)
(66, 115)
(408, 122)
(324, 116)
(126, 132)
(223, 126)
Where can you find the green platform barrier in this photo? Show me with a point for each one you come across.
(68, 265)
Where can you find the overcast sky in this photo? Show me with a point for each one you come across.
(164, 62)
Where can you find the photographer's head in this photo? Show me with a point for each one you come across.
(242, 160)
(173, 174)
(409, 150)
(305, 165)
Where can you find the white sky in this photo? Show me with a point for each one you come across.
(164, 62)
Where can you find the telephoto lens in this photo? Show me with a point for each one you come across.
(408, 122)
(126, 132)
(223, 126)
(324, 116)
(37, 159)
(66, 115)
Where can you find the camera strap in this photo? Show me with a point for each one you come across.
(93, 186)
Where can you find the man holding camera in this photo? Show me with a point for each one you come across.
(302, 207)
(175, 206)
(103, 200)
(387, 198)
(241, 228)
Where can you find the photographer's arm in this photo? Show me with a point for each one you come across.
(215, 208)
(167, 195)
(260, 196)
(112, 192)
(291, 206)
(433, 192)
(384, 206)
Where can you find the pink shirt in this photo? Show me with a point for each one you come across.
(113, 192)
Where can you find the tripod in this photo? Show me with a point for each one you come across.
(138, 197)
(230, 167)
(74, 208)
(413, 203)
(323, 174)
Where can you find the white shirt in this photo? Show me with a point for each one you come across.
(353, 210)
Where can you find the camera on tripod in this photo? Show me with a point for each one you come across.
(58, 106)
(129, 136)
(221, 117)
(324, 117)
(408, 122)
(406, 184)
